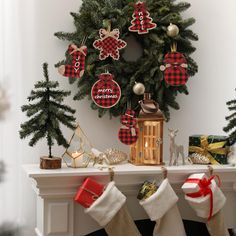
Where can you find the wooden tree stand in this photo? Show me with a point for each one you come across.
(50, 163)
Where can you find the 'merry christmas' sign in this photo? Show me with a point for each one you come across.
(106, 92)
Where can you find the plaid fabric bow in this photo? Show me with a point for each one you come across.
(175, 69)
(109, 44)
(77, 66)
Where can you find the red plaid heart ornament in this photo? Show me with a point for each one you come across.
(77, 66)
(175, 73)
(106, 92)
(142, 22)
(109, 44)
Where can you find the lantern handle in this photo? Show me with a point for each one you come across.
(210, 169)
(164, 172)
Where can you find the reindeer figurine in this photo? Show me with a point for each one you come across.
(175, 149)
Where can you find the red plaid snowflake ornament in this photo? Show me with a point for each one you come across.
(128, 133)
(175, 73)
(109, 44)
(77, 66)
(142, 22)
(106, 92)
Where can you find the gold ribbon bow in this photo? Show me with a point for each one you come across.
(207, 149)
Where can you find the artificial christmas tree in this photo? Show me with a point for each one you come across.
(231, 127)
(46, 116)
(117, 14)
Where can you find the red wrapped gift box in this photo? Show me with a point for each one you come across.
(89, 192)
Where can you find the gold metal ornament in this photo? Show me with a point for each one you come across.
(111, 156)
(139, 89)
(196, 158)
(172, 30)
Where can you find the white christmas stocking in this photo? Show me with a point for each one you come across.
(161, 207)
(203, 207)
(110, 212)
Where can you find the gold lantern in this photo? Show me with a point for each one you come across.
(148, 150)
(78, 154)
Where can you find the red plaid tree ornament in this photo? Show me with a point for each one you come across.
(106, 92)
(109, 44)
(77, 66)
(175, 73)
(128, 133)
(142, 22)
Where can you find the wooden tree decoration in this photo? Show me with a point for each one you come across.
(45, 117)
(79, 151)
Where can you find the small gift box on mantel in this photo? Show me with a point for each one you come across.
(213, 148)
(89, 192)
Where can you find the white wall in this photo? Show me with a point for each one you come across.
(203, 111)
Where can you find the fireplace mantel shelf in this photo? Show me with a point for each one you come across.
(57, 214)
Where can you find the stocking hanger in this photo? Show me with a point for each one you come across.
(164, 172)
(210, 169)
(112, 173)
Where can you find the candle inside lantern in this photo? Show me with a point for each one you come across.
(146, 150)
(77, 159)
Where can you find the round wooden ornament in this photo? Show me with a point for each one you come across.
(106, 92)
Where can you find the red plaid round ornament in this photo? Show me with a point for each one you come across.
(128, 133)
(77, 66)
(109, 44)
(106, 92)
(142, 22)
(175, 73)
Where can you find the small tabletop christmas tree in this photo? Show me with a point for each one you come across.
(45, 117)
(231, 127)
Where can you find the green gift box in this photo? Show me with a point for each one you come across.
(215, 148)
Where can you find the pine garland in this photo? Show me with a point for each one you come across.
(47, 113)
(231, 127)
(94, 15)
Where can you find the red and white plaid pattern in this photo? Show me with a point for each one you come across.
(127, 136)
(128, 119)
(106, 92)
(77, 66)
(175, 69)
(109, 44)
(142, 22)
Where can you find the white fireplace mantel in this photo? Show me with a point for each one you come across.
(58, 214)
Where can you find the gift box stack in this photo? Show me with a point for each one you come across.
(215, 148)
